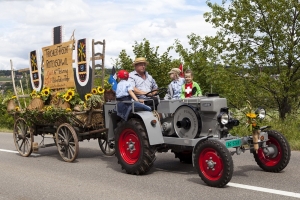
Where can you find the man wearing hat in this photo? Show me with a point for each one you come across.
(174, 88)
(141, 80)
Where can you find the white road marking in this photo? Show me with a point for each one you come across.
(267, 190)
(10, 151)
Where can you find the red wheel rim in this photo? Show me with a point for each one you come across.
(129, 146)
(211, 164)
(269, 161)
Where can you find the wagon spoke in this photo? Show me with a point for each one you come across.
(21, 144)
(24, 146)
(60, 136)
(106, 146)
(71, 151)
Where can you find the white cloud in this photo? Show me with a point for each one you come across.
(27, 25)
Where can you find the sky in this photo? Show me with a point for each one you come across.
(26, 25)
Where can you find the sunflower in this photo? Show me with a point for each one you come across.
(94, 91)
(17, 108)
(67, 98)
(87, 96)
(33, 93)
(70, 92)
(251, 115)
(100, 90)
(46, 91)
(48, 108)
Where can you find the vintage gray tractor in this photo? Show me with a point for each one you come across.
(197, 131)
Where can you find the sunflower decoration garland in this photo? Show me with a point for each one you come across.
(9, 98)
(70, 96)
(44, 94)
(94, 99)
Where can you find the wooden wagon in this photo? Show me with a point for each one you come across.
(67, 127)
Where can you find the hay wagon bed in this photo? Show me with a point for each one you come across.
(66, 129)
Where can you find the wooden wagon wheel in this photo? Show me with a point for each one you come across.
(67, 142)
(106, 146)
(23, 137)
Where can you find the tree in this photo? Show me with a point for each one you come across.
(257, 34)
(159, 65)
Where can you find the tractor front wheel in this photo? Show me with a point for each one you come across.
(133, 150)
(280, 157)
(214, 163)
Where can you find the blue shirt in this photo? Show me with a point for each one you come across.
(122, 89)
(176, 86)
(148, 84)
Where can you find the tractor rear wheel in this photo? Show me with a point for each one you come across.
(214, 163)
(133, 150)
(281, 156)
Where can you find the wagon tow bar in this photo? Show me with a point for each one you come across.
(36, 146)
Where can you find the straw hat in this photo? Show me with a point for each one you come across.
(174, 71)
(140, 60)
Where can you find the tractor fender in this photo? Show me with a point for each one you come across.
(154, 132)
(198, 143)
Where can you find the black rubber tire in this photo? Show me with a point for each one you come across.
(281, 160)
(142, 156)
(215, 153)
(184, 157)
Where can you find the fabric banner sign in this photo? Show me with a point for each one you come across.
(82, 70)
(58, 70)
(35, 70)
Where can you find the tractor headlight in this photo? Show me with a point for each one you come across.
(261, 112)
(223, 118)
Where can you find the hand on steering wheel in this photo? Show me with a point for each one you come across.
(158, 92)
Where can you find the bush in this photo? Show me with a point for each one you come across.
(6, 120)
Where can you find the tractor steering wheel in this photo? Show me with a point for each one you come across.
(158, 90)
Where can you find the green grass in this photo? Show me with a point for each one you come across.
(5, 79)
(6, 130)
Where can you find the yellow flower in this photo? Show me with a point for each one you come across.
(46, 91)
(68, 98)
(70, 92)
(68, 109)
(33, 93)
(87, 96)
(13, 97)
(251, 115)
(94, 91)
(100, 90)
(17, 108)
(48, 108)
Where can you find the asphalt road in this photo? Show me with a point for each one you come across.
(95, 176)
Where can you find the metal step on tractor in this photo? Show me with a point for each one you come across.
(197, 131)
